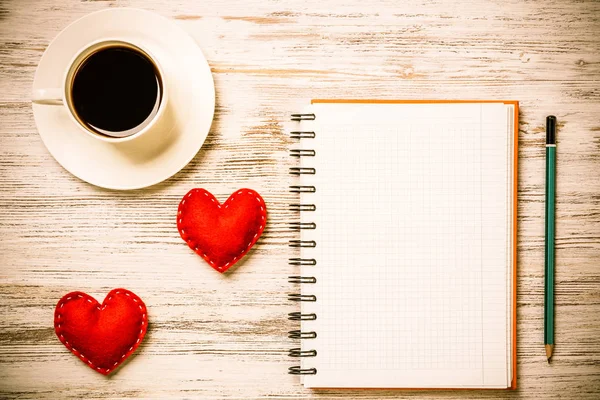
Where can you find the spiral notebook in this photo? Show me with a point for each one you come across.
(406, 252)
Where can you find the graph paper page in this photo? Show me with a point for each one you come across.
(412, 241)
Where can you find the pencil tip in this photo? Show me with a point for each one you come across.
(549, 349)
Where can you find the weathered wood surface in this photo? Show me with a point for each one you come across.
(216, 336)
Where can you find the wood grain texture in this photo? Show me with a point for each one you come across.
(213, 336)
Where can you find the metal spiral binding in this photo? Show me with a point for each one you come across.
(302, 135)
(302, 225)
(303, 189)
(301, 279)
(296, 316)
(302, 335)
(297, 352)
(298, 226)
(303, 207)
(303, 243)
(302, 153)
(303, 117)
(301, 297)
(302, 171)
(302, 371)
(302, 261)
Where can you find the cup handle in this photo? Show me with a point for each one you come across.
(51, 96)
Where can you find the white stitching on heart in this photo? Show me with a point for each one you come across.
(231, 199)
(58, 328)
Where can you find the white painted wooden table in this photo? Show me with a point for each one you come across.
(216, 336)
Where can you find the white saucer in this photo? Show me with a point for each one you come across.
(128, 165)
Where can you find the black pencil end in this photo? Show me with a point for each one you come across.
(550, 129)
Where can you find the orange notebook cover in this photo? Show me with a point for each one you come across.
(335, 139)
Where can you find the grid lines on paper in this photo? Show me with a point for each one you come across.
(399, 250)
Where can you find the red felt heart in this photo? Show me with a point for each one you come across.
(101, 335)
(221, 233)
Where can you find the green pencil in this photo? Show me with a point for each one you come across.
(549, 244)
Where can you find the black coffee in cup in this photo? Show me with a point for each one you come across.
(116, 90)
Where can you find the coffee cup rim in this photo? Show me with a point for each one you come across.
(76, 62)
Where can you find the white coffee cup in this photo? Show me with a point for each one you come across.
(63, 96)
